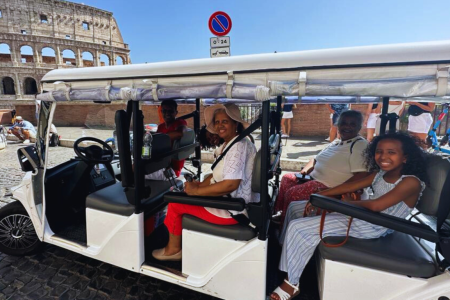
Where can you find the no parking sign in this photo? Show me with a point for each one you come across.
(219, 23)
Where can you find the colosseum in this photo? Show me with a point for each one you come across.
(37, 36)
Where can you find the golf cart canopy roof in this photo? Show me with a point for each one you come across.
(400, 70)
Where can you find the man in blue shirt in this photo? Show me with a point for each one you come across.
(24, 130)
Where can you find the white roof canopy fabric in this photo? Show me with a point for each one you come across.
(401, 70)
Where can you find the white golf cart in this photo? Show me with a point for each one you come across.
(230, 262)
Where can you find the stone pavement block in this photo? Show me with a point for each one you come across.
(11, 276)
(48, 273)
(87, 294)
(36, 270)
(25, 278)
(38, 293)
(6, 270)
(30, 288)
(17, 284)
(56, 280)
(109, 287)
(58, 291)
(72, 280)
(68, 295)
(96, 283)
(8, 291)
(81, 284)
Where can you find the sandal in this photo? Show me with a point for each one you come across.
(283, 295)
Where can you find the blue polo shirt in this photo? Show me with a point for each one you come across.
(24, 125)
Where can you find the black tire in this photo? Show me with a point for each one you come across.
(17, 234)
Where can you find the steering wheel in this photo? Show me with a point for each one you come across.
(94, 154)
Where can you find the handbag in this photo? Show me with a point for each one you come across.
(355, 197)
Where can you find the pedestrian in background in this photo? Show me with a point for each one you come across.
(335, 112)
(370, 120)
(395, 107)
(288, 115)
(420, 120)
(22, 129)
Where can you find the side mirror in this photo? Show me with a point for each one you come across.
(28, 158)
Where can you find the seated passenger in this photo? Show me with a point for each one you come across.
(231, 176)
(342, 160)
(174, 128)
(397, 179)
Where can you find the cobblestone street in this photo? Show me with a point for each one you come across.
(61, 274)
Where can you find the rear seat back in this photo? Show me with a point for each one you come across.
(160, 145)
(187, 140)
(438, 170)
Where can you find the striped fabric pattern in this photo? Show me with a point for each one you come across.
(300, 236)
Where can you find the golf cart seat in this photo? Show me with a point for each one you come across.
(237, 232)
(186, 145)
(399, 252)
(113, 199)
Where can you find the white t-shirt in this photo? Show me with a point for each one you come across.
(237, 164)
(335, 164)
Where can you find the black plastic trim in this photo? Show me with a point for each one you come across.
(398, 224)
(237, 204)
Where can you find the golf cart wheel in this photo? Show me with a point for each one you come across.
(17, 234)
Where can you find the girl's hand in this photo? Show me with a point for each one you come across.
(347, 197)
(191, 188)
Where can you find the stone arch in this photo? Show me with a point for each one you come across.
(30, 86)
(88, 59)
(26, 54)
(105, 60)
(68, 57)
(120, 60)
(8, 86)
(5, 53)
(48, 55)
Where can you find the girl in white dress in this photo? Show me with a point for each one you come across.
(398, 176)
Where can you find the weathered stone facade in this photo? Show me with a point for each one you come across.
(44, 27)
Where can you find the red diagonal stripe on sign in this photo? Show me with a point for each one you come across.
(220, 24)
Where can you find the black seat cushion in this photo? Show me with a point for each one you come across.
(113, 199)
(236, 232)
(395, 253)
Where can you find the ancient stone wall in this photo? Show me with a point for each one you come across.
(37, 36)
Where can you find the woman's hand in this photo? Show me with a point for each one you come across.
(191, 188)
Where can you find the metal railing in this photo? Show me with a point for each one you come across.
(250, 112)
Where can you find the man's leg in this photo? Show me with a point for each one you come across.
(16, 132)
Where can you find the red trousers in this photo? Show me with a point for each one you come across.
(175, 212)
(291, 191)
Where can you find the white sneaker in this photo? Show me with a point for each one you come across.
(284, 135)
(327, 139)
(26, 141)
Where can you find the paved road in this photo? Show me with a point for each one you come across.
(56, 273)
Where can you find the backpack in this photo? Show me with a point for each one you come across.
(54, 140)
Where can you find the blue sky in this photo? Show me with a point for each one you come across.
(174, 30)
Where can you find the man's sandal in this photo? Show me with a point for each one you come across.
(283, 295)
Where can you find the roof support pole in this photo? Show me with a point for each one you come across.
(265, 200)
(138, 134)
(197, 132)
(384, 115)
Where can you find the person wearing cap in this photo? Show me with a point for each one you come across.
(231, 176)
(22, 129)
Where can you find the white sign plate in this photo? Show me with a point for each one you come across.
(219, 41)
(220, 52)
